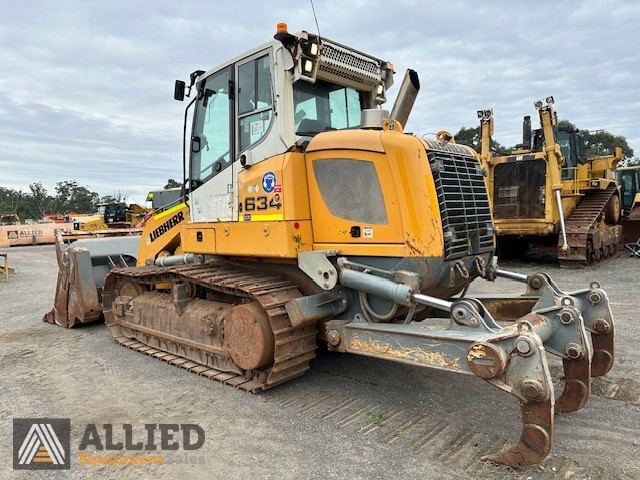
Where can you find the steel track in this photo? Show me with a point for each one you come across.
(294, 346)
(580, 227)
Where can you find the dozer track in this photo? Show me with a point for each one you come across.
(292, 347)
(589, 238)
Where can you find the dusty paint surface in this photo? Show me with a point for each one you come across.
(413, 354)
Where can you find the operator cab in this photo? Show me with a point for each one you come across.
(572, 146)
(112, 212)
(629, 180)
(263, 102)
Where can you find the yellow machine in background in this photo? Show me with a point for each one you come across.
(548, 192)
(112, 215)
(316, 218)
(629, 180)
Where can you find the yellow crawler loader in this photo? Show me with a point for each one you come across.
(548, 192)
(311, 216)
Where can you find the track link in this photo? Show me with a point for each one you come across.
(588, 242)
(294, 346)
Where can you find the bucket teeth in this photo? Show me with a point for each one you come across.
(536, 438)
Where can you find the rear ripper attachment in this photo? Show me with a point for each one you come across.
(501, 340)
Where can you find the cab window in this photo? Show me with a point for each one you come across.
(211, 140)
(322, 106)
(255, 100)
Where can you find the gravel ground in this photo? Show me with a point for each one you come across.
(349, 417)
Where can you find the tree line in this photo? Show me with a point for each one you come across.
(69, 197)
(36, 202)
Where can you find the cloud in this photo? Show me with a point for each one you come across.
(86, 90)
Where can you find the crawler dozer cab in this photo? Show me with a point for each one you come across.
(111, 215)
(548, 192)
(313, 217)
(629, 180)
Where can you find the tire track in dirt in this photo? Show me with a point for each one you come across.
(432, 433)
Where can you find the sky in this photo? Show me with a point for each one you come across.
(86, 87)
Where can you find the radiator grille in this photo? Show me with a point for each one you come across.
(519, 189)
(464, 205)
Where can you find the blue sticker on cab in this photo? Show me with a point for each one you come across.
(269, 182)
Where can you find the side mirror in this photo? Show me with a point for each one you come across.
(178, 90)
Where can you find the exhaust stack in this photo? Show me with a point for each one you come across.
(406, 97)
(526, 132)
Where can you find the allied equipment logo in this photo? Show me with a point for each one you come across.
(41, 443)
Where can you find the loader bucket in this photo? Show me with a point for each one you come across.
(82, 269)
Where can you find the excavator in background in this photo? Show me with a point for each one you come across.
(547, 192)
(112, 215)
(629, 180)
(310, 216)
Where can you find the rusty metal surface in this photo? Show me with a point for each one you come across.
(81, 273)
(76, 301)
(631, 226)
(505, 308)
(536, 438)
(510, 356)
(248, 336)
(603, 353)
(262, 349)
(590, 242)
(577, 385)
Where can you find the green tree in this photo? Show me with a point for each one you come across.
(171, 183)
(117, 197)
(12, 197)
(71, 197)
(471, 137)
(39, 202)
(601, 142)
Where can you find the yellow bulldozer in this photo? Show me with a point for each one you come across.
(547, 192)
(310, 216)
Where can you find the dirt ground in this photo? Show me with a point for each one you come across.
(349, 417)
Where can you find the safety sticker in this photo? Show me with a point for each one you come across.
(269, 182)
(257, 127)
(367, 232)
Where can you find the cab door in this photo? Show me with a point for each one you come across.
(234, 113)
(212, 149)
